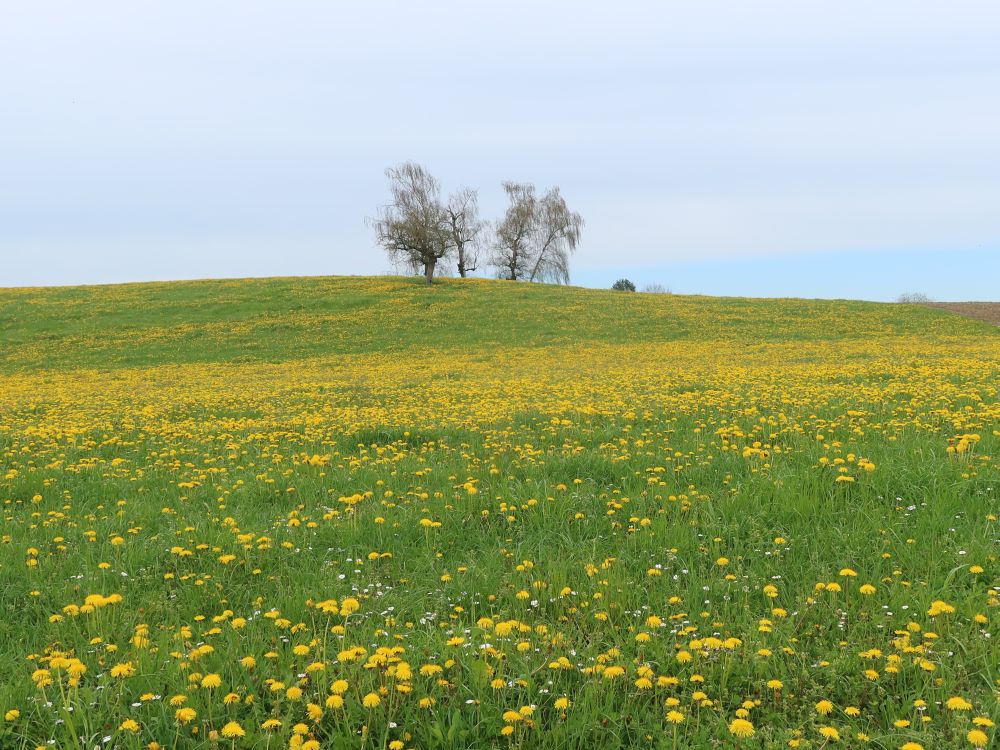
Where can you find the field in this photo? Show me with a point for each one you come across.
(363, 513)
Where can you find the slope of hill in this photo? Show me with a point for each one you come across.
(283, 319)
(316, 513)
(988, 312)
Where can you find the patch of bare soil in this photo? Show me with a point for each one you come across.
(987, 311)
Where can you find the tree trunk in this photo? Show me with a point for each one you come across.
(429, 270)
(538, 261)
(461, 261)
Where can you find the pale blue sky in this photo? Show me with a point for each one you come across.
(847, 149)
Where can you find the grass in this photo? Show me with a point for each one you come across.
(361, 512)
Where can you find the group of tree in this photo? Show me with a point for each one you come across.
(625, 285)
(419, 229)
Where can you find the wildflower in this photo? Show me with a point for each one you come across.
(977, 737)
(211, 681)
(741, 728)
(334, 701)
(830, 733)
(185, 715)
(675, 717)
(939, 607)
(232, 730)
(957, 703)
(371, 700)
(125, 669)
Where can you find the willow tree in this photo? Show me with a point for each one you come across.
(465, 229)
(536, 236)
(413, 227)
(512, 249)
(556, 236)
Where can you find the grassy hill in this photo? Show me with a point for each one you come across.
(276, 320)
(347, 512)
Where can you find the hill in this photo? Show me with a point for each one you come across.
(988, 312)
(360, 511)
(274, 320)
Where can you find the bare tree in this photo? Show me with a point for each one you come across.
(557, 235)
(465, 228)
(655, 289)
(413, 228)
(513, 252)
(913, 298)
(536, 236)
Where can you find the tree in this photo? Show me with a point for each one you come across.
(623, 285)
(413, 228)
(512, 254)
(536, 236)
(464, 228)
(655, 289)
(557, 235)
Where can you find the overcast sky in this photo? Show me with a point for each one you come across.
(836, 149)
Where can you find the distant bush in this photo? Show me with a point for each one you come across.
(913, 298)
(655, 289)
(623, 285)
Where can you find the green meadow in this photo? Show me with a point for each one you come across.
(369, 513)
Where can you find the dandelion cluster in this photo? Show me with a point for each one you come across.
(759, 534)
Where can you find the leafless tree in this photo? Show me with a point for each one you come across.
(513, 252)
(413, 228)
(557, 235)
(536, 236)
(655, 289)
(913, 298)
(465, 228)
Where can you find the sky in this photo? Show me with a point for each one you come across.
(759, 148)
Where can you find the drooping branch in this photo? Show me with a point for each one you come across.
(413, 228)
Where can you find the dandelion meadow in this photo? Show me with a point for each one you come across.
(369, 513)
